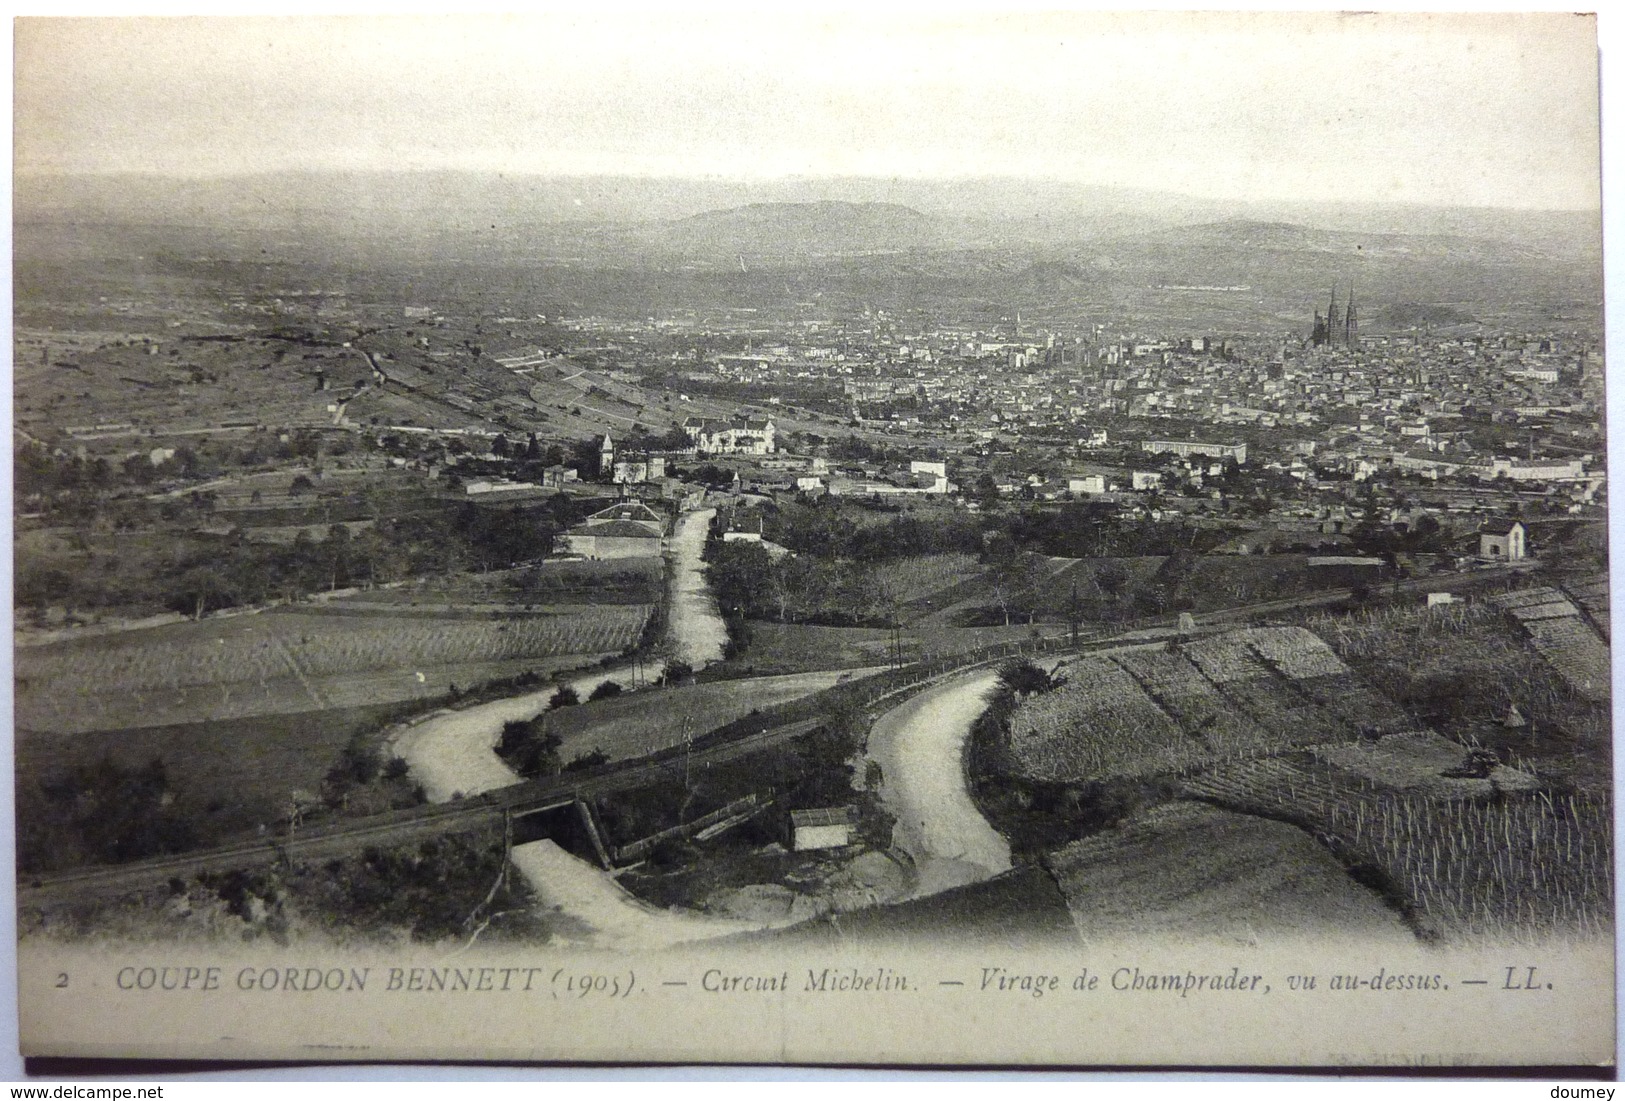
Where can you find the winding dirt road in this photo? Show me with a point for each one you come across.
(450, 752)
(920, 748)
(594, 911)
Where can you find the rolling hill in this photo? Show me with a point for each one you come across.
(781, 230)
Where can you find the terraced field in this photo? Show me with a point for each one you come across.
(1100, 725)
(1191, 699)
(1562, 636)
(1191, 872)
(1521, 864)
(291, 661)
(1593, 597)
(1146, 712)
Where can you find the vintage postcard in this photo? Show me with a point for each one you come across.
(1021, 539)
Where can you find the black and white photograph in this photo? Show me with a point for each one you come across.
(880, 538)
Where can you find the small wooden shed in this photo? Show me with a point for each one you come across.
(821, 827)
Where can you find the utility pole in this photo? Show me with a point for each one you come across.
(688, 753)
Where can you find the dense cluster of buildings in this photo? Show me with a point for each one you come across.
(1479, 424)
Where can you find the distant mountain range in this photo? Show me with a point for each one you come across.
(1238, 234)
(800, 229)
(979, 244)
(1035, 210)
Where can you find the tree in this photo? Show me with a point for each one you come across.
(200, 589)
(1023, 678)
(987, 491)
(564, 697)
(607, 690)
(336, 551)
(1110, 578)
(1074, 613)
(119, 812)
(584, 456)
(529, 748)
(827, 753)
(39, 586)
(739, 574)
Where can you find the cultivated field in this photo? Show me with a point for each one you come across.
(1461, 669)
(293, 661)
(795, 647)
(777, 648)
(1562, 636)
(1519, 864)
(626, 581)
(924, 577)
(643, 722)
(1593, 597)
(1146, 712)
(1194, 872)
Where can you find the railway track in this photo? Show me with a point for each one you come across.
(329, 840)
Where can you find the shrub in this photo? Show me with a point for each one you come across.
(588, 760)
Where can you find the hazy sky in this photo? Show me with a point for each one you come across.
(1488, 110)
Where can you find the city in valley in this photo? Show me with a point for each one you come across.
(627, 563)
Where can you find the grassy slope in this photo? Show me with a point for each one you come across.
(642, 722)
(227, 776)
(1191, 871)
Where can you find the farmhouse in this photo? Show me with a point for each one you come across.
(1503, 541)
(639, 468)
(629, 529)
(740, 436)
(617, 539)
